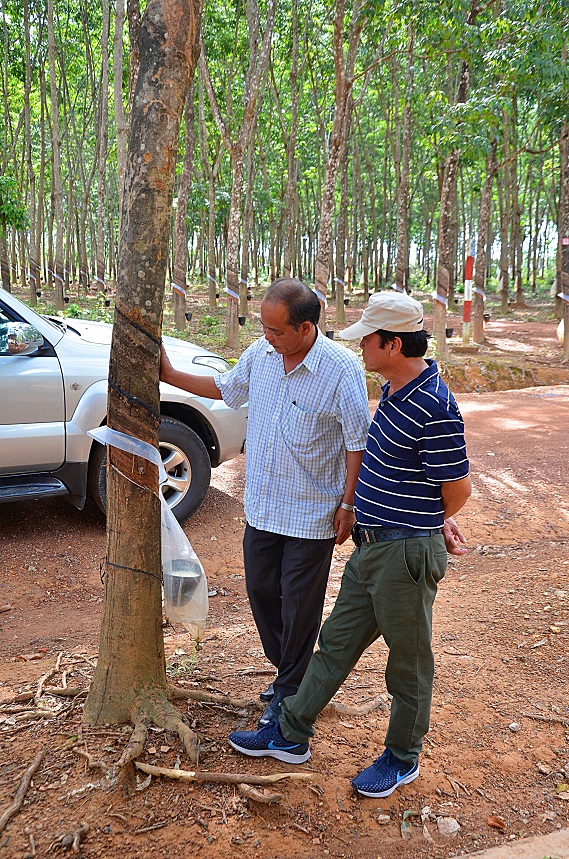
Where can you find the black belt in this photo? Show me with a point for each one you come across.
(381, 535)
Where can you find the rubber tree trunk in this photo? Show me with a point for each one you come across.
(131, 664)
(344, 73)
(180, 264)
(57, 271)
(480, 269)
(564, 233)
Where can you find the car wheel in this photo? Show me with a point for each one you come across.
(187, 464)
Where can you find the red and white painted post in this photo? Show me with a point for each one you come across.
(467, 309)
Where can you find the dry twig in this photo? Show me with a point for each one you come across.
(221, 778)
(556, 720)
(265, 797)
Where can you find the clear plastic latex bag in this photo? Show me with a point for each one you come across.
(185, 584)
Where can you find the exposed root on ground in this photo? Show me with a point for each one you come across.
(178, 694)
(377, 703)
(22, 789)
(67, 840)
(154, 708)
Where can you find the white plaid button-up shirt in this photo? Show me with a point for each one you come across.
(299, 427)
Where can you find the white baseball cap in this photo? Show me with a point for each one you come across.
(389, 311)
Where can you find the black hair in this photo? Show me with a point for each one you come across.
(413, 343)
(301, 302)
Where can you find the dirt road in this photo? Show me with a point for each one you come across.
(499, 742)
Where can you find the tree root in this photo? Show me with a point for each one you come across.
(71, 840)
(135, 745)
(152, 707)
(377, 703)
(22, 789)
(221, 778)
(178, 694)
(91, 762)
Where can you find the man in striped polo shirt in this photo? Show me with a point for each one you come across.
(414, 478)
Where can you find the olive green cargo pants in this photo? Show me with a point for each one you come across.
(387, 589)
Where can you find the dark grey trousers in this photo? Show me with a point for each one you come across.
(286, 580)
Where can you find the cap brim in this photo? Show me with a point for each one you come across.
(358, 329)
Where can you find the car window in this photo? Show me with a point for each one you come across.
(5, 320)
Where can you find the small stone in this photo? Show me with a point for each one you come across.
(514, 727)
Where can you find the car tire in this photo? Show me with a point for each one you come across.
(187, 464)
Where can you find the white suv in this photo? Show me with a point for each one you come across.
(53, 389)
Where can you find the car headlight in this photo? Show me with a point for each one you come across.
(213, 361)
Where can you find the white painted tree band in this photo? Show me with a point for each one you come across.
(563, 296)
(178, 288)
(244, 281)
(231, 293)
(339, 280)
(479, 292)
(440, 298)
(212, 278)
(321, 297)
(130, 444)
(98, 280)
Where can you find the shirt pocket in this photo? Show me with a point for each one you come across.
(302, 430)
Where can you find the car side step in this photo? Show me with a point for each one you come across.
(29, 488)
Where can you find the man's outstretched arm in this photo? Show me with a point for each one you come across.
(202, 386)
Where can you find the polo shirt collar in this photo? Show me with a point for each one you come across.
(403, 393)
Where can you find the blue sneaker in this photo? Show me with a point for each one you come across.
(384, 775)
(269, 743)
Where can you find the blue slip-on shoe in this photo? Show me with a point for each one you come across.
(385, 775)
(269, 743)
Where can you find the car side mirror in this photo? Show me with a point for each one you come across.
(22, 339)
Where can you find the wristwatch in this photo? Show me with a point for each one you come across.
(349, 507)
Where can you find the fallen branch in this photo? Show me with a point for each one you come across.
(259, 796)
(221, 778)
(22, 789)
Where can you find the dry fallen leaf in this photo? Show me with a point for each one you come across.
(496, 822)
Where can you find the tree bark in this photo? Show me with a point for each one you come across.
(130, 674)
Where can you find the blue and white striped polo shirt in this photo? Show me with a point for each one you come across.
(415, 443)
(299, 428)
